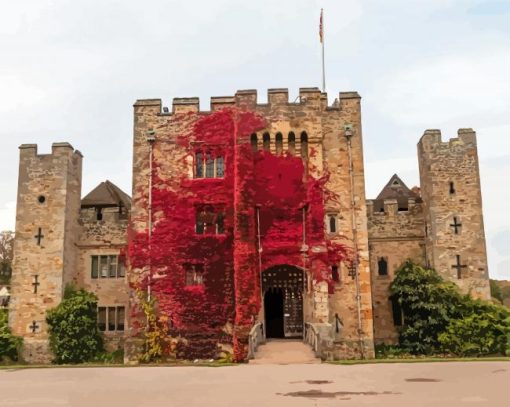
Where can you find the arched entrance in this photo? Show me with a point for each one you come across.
(282, 287)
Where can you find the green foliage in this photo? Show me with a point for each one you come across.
(157, 341)
(390, 352)
(438, 318)
(496, 290)
(9, 344)
(115, 357)
(483, 329)
(74, 337)
(428, 304)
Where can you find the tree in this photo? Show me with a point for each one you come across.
(428, 304)
(74, 336)
(496, 290)
(6, 254)
(438, 318)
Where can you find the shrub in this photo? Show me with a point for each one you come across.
(483, 329)
(428, 304)
(74, 336)
(9, 344)
(438, 318)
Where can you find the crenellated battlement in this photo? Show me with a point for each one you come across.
(432, 140)
(311, 97)
(57, 149)
(394, 222)
(391, 208)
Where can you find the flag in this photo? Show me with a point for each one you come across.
(321, 29)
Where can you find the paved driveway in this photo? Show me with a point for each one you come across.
(410, 385)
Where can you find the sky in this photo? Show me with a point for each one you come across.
(71, 71)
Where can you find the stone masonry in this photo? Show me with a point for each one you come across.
(60, 236)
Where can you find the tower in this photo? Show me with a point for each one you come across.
(450, 186)
(45, 254)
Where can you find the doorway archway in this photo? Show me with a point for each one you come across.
(282, 288)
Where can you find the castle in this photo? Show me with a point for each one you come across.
(248, 219)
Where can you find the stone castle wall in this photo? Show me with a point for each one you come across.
(450, 184)
(328, 148)
(49, 192)
(70, 236)
(105, 237)
(396, 236)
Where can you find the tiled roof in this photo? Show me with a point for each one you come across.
(106, 194)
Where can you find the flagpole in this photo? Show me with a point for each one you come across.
(322, 43)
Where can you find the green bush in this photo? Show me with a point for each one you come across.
(9, 344)
(428, 304)
(74, 337)
(115, 357)
(483, 329)
(383, 351)
(438, 318)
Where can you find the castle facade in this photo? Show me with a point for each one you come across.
(247, 220)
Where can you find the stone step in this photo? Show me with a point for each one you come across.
(284, 352)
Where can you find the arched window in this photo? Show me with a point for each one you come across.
(332, 224)
(209, 166)
(254, 142)
(382, 266)
(278, 143)
(304, 145)
(266, 142)
(335, 275)
(452, 188)
(199, 165)
(292, 143)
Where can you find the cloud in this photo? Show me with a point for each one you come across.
(450, 89)
(7, 216)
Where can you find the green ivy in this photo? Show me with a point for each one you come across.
(74, 336)
(9, 344)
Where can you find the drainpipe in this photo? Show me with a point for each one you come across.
(151, 138)
(348, 135)
(259, 250)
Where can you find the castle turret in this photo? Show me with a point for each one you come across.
(450, 185)
(45, 253)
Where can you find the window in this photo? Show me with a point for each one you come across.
(335, 275)
(220, 169)
(452, 188)
(304, 145)
(99, 213)
(331, 224)
(220, 224)
(208, 166)
(194, 274)
(199, 165)
(111, 318)
(278, 143)
(382, 266)
(254, 142)
(397, 313)
(209, 221)
(107, 266)
(292, 143)
(266, 142)
(95, 268)
(101, 318)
